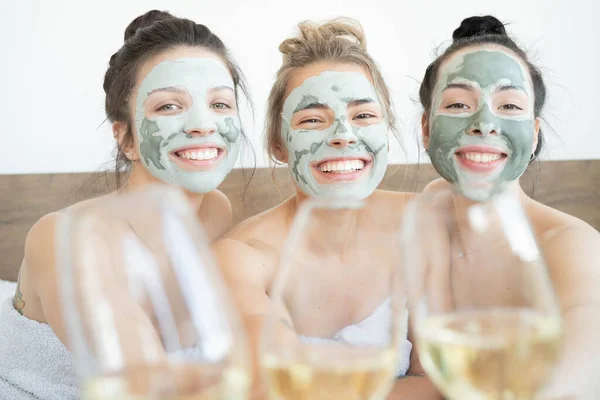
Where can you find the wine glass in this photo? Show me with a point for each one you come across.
(482, 304)
(146, 312)
(337, 327)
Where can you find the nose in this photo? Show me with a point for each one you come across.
(483, 129)
(485, 123)
(342, 136)
(200, 122)
(340, 143)
(204, 131)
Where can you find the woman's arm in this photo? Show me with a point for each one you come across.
(38, 295)
(573, 259)
(248, 271)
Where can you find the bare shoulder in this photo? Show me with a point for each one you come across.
(244, 264)
(252, 247)
(216, 214)
(571, 249)
(386, 203)
(89, 202)
(215, 203)
(37, 274)
(436, 185)
(248, 271)
(41, 240)
(40, 243)
(237, 254)
(574, 237)
(551, 224)
(390, 197)
(266, 228)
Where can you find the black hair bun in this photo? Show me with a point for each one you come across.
(145, 20)
(479, 26)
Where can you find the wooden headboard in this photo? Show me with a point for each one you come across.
(570, 186)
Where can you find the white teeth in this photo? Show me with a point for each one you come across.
(200, 154)
(481, 157)
(342, 167)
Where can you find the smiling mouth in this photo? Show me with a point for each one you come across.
(342, 166)
(198, 158)
(200, 154)
(481, 157)
(340, 170)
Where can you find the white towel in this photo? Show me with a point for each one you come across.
(34, 364)
(373, 330)
(7, 288)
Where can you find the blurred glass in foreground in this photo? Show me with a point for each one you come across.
(146, 311)
(486, 317)
(338, 322)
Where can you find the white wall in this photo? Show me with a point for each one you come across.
(55, 53)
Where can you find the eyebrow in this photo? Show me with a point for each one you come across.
(464, 86)
(171, 89)
(358, 102)
(178, 89)
(319, 106)
(223, 87)
(510, 87)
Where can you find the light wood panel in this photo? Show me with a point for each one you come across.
(570, 186)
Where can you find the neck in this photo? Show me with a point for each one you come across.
(512, 188)
(139, 178)
(298, 200)
(515, 188)
(471, 241)
(337, 222)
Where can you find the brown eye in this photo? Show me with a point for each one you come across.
(510, 107)
(169, 107)
(220, 106)
(310, 121)
(458, 106)
(365, 116)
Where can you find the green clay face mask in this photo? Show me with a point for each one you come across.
(169, 144)
(319, 165)
(487, 142)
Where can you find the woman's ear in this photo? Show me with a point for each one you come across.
(125, 143)
(536, 136)
(281, 154)
(425, 130)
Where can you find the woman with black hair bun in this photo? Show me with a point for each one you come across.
(482, 101)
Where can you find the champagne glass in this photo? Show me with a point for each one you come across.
(338, 320)
(487, 322)
(147, 315)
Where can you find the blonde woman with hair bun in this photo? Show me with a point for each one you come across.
(329, 119)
